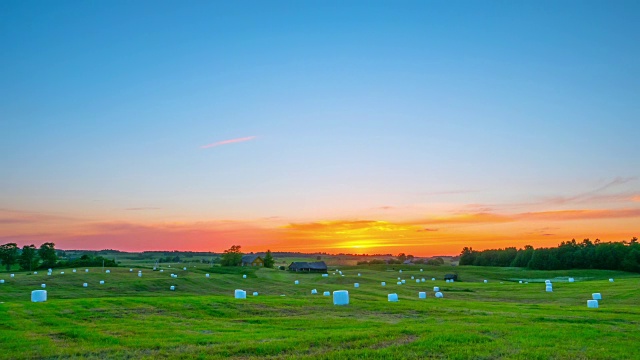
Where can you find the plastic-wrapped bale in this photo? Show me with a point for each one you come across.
(86, 270)
(85, 285)
(404, 281)
(39, 295)
(161, 270)
(1, 281)
(35, 273)
(48, 274)
(520, 282)
(596, 296)
(436, 288)
(244, 276)
(43, 286)
(139, 274)
(172, 288)
(433, 279)
(314, 291)
(296, 282)
(412, 278)
(130, 270)
(326, 293)
(101, 282)
(486, 281)
(392, 297)
(420, 270)
(61, 272)
(400, 271)
(206, 275)
(240, 294)
(341, 297)
(610, 280)
(399, 278)
(184, 268)
(417, 280)
(108, 271)
(325, 275)
(571, 280)
(447, 281)
(49, 270)
(255, 293)
(74, 270)
(13, 275)
(399, 282)
(340, 272)
(592, 304)
(383, 283)
(548, 289)
(423, 280)
(547, 281)
(439, 295)
(358, 274)
(422, 295)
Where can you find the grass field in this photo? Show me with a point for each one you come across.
(131, 317)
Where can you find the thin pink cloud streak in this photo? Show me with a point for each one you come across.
(225, 142)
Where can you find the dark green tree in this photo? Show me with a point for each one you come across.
(232, 256)
(47, 254)
(28, 259)
(268, 260)
(9, 254)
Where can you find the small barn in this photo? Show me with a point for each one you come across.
(303, 266)
(252, 260)
(453, 277)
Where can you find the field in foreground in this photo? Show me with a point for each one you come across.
(131, 317)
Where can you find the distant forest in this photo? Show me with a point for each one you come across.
(624, 255)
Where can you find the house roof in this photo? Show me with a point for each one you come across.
(318, 265)
(249, 258)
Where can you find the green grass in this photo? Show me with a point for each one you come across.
(139, 318)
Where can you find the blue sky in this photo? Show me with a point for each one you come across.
(429, 106)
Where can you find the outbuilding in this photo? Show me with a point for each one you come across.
(303, 266)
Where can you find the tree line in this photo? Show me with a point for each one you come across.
(45, 257)
(233, 257)
(624, 256)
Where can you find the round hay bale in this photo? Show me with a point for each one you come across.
(296, 282)
(172, 288)
(43, 286)
(436, 288)
(439, 295)
(383, 283)
(101, 282)
(341, 297)
(422, 295)
(593, 304)
(255, 293)
(356, 285)
(240, 294)
(39, 295)
(314, 291)
(206, 275)
(326, 293)
(85, 285)
(596, 296)
(392, 297)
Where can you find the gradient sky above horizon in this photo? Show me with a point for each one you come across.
(360, 126)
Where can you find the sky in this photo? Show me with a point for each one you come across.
(319, 126)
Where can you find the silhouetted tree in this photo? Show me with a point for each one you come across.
(9, 254)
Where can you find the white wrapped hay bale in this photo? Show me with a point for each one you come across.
(596, 296)
(244, 276)
(39, 295)
(48, 274)
(399, 278)
(356, 285)
(1, 281)
(422, 295)
(412, 278)
(255, 293)
(240, 294)
(401, 271)
(447, 281)
(101, 282)
(184, 268)
(433, 279)
(140, 274)
(592, 304)
(486, 281)
(130, 270)
(14, 275)
(439, 295)
(161, 270)
(358, 274)
(547, 281)
(549, 289)
(172, 288)
(325, 275)
(35, 273)
(520, 282)
(392, 297)
(420, 270)
(314, 291)
(296, 282)
(571, 280)
(49, 270)
(108, 271)
(404, 281)
(610, 280)
(417, 280)
(74, 270)
(341, 297)
(399, 282)
(206, 275)
(326, 293)
(383, 283)
(436, 288)
(423, 280)
(85, 285)
(43, 286)
(86, 270)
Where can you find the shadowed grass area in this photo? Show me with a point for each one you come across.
(133, 317)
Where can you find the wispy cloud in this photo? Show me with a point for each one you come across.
(230, 141)
(142, 208)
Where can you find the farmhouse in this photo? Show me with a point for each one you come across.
(318, 266)
(252, 260)
(453, 277)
